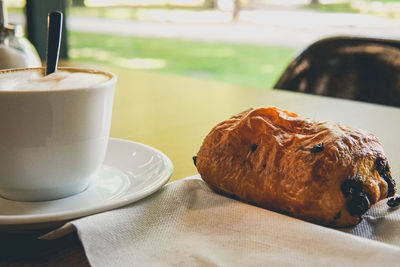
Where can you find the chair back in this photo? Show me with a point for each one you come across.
(357, 68)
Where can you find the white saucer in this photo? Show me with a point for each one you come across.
(130, 172)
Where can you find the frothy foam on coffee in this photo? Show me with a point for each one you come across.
(61, 80)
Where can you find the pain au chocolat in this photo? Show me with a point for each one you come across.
(321, 172)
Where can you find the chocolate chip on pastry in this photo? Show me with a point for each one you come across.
(393, 202)
(322, 172)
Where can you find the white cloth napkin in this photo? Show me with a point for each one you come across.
(187, 224)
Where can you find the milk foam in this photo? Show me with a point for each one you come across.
(29, 80)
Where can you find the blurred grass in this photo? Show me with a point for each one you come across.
(382, 1)
(249, 65)
(336, 7)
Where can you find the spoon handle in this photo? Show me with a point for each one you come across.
(53, 40)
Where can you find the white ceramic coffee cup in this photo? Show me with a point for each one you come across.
(52, 142)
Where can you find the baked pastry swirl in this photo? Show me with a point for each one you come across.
(322, 172)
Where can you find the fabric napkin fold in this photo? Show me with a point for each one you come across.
(187, 224)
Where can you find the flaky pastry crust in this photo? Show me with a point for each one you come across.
(322, 172)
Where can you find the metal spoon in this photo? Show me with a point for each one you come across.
(53, 40)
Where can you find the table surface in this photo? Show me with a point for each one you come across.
(173, 114)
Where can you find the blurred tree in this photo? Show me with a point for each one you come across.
(210, 4)
(236, 9)
(315, 2)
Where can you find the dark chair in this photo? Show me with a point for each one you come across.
(358, 68)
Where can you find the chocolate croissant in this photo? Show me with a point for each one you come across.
(322, 172)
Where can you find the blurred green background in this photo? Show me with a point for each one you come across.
(249, 64)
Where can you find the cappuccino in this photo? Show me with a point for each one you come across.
(54, 131)
(31, 80)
